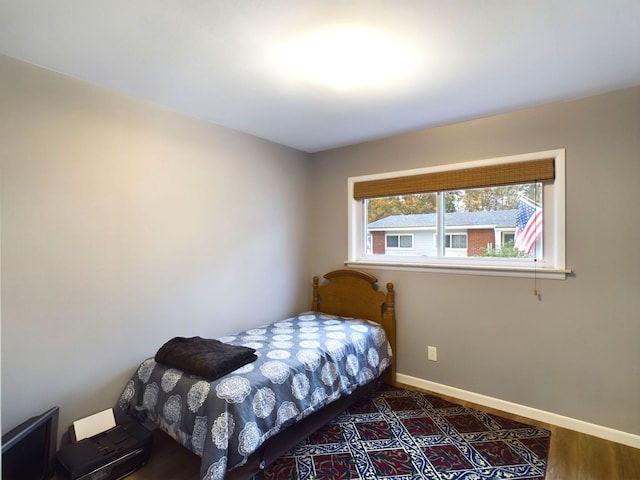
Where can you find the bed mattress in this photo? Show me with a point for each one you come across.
(303, 363)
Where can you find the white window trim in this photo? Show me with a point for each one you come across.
(552, 267)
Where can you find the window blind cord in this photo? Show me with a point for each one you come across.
(536, 290)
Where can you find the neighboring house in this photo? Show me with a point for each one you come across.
(466, 233)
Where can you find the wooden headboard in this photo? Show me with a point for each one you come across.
(351, 293)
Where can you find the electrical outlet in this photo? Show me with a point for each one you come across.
(432, 354)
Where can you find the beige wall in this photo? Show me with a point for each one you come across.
(576, 352)
(124, 224)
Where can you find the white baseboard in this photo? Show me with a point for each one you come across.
(524, 411)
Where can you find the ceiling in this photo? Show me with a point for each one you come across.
(236, 62)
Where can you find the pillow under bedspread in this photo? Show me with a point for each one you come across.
(207, 358)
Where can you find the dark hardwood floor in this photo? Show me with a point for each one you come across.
(573, 456)
(169, 460)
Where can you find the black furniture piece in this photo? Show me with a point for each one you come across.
(110, 455)
(29, 450)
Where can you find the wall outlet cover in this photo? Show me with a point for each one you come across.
(432, 354)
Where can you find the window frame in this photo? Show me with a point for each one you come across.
(451, 235)
(503, 233)
(552, 265)
(399, 247)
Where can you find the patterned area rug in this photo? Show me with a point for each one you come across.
(401, 434)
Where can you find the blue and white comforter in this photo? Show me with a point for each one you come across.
(304, 363)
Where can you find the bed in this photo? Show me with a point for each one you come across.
(309, 368)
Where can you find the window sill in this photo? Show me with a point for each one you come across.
(497, 271)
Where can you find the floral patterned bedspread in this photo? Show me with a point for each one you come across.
(304, 363)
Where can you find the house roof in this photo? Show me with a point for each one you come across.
(494, 218)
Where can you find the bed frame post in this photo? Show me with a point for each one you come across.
(390, 320)
(315, 304)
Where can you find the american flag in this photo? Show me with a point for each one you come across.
(528, 226)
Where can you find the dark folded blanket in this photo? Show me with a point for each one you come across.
(204, 357)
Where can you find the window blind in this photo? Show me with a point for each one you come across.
(539, 170)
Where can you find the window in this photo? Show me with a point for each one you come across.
(508, 237)
(455, 240)
(504, 216)
(399, 241)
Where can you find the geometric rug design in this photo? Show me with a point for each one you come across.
(405, 435)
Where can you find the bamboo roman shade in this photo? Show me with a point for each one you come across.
(541, 170)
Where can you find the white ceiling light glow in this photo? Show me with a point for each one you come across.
(346, 58)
